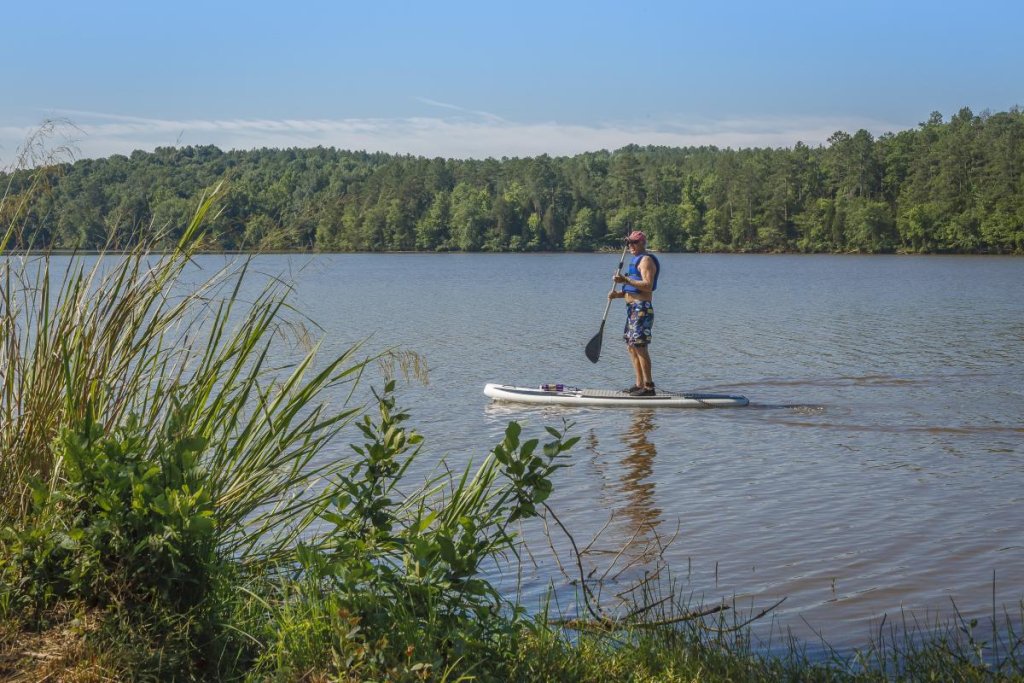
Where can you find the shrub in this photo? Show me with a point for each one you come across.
(405, 572)
(129, 524)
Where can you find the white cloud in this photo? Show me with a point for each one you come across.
(478, 135)
(444, 105)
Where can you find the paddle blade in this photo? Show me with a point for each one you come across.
(593, 349)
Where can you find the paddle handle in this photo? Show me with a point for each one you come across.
(622, 259)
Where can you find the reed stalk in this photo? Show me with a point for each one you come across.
(99, 339)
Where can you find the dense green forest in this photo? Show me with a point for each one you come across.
(952, 186)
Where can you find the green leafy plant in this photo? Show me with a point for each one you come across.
(407, 567)
(134, 524)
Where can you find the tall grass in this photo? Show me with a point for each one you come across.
(104, 340)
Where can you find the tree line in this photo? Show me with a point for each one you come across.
(952, 186)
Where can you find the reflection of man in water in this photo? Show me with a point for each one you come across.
(638, 465)
(632, 543)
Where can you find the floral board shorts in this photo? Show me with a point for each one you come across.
(639, 321)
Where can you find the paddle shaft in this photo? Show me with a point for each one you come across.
(593, 350)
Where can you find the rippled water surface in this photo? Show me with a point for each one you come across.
(879, 467)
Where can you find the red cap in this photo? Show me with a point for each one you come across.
(636, 236)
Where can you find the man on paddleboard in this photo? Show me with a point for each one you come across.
(638, 285)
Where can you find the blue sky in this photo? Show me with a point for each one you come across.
(479, 79)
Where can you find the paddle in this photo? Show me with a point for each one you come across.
(593, 349)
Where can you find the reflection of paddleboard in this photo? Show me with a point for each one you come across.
(571, 396)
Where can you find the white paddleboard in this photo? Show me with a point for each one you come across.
(572, 396)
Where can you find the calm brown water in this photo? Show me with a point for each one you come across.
(879, 467)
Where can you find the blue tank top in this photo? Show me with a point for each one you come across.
(633, 272)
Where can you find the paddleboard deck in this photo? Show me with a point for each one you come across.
(572, 396)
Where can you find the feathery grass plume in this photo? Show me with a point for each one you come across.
(38, 162)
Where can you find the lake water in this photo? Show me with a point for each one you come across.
(878, 469)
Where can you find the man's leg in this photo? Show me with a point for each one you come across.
(637, 365)
(642, 361)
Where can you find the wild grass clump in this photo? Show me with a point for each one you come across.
(152, 454)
